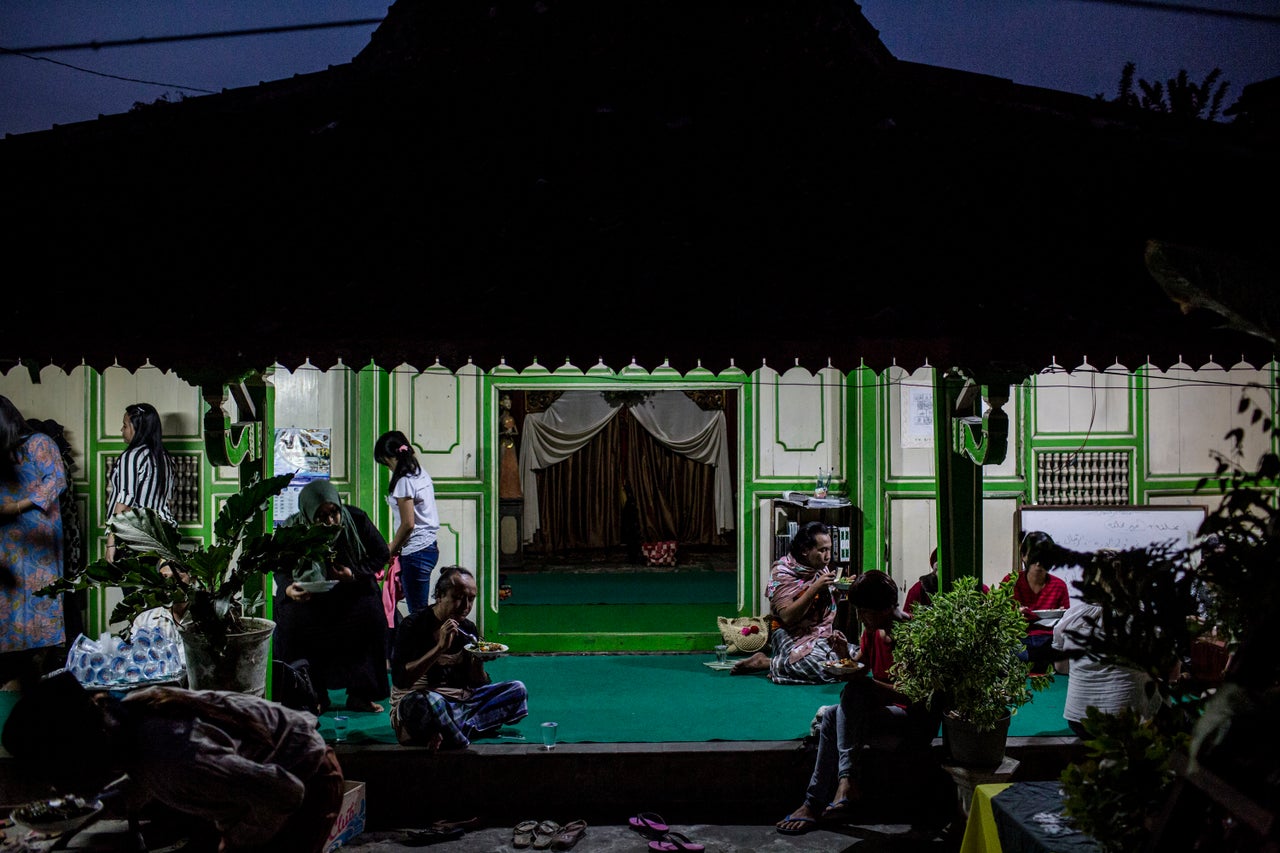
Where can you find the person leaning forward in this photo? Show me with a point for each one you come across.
(259, 772)
(441, 696)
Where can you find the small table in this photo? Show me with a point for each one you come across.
(1022, 817)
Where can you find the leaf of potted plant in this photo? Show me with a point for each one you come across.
(203, 586)
(962, 651)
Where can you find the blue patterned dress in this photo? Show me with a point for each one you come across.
(31, 548)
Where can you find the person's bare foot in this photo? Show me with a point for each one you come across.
(367, 706)
(847, 796)
(800, 821)
(758, 662)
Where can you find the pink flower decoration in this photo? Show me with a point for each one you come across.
(746, 630)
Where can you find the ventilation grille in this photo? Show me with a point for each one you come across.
(186, 488)
(1088, 478)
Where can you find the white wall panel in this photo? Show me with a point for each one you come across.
(180, 405)
(310, 397)
(800, 422)
(1083, 402)
(913, 534)
(438, 410)
(58, 396)
(906, 391)
(1191, 411)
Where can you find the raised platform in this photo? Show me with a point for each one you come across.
(748, 782)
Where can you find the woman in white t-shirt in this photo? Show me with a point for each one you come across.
(412, 498)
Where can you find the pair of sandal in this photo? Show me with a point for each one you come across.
(665, 839)
(547, 834)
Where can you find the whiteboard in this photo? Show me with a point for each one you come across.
(1091, 529)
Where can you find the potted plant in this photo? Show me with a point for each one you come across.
(204, 586)
(1131, 790)
(962, 652)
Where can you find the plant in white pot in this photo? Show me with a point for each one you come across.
(205, 585)
(962, 651)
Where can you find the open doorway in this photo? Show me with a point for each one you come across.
(632, 515)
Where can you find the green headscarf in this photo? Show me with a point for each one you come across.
(314, 495)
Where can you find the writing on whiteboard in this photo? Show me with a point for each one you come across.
(1089, 529)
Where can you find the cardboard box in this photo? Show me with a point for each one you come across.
(350, 822)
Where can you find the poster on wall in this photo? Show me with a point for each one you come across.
(917, 416)
(303, 452)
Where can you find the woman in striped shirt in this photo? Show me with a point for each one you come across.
(143, 477)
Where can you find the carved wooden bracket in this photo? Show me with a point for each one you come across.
(984, 439)
(227, 443)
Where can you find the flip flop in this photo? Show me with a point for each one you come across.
(424, 837)
(839, 810)
(544, 833)
(673, 842)
(522, 835)
(808, 825)
(570, 834)
(650, 824)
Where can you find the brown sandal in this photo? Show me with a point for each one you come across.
(522, 835)
(570, 834)
(544, 834)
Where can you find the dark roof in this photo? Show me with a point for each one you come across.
(576, 179)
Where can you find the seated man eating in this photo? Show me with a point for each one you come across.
(441, 696)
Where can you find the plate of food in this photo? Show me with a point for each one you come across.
(844, 666)
(486, 650)
(1049, 614)
(317, 586)
(57, 815)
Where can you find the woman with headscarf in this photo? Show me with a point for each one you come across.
(341, 632)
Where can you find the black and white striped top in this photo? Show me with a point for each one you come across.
(134, 484)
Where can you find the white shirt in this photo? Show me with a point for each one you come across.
(426, 520)
(1107, 687)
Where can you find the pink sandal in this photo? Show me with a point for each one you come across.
(650, 824)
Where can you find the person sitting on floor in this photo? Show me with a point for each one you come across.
(869, 705)
(801, 598)
(1036, 589)
(923, 590)
(441, 696)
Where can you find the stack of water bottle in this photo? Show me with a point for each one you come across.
(150, 654)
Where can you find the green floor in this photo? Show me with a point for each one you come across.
(654, 698)
(607, 603)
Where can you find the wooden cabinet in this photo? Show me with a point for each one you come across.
(845, 523)
(791, 514)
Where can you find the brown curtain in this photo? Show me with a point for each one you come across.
(674, 495)
(580, 499)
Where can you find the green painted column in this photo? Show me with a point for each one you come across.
(959, 504)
